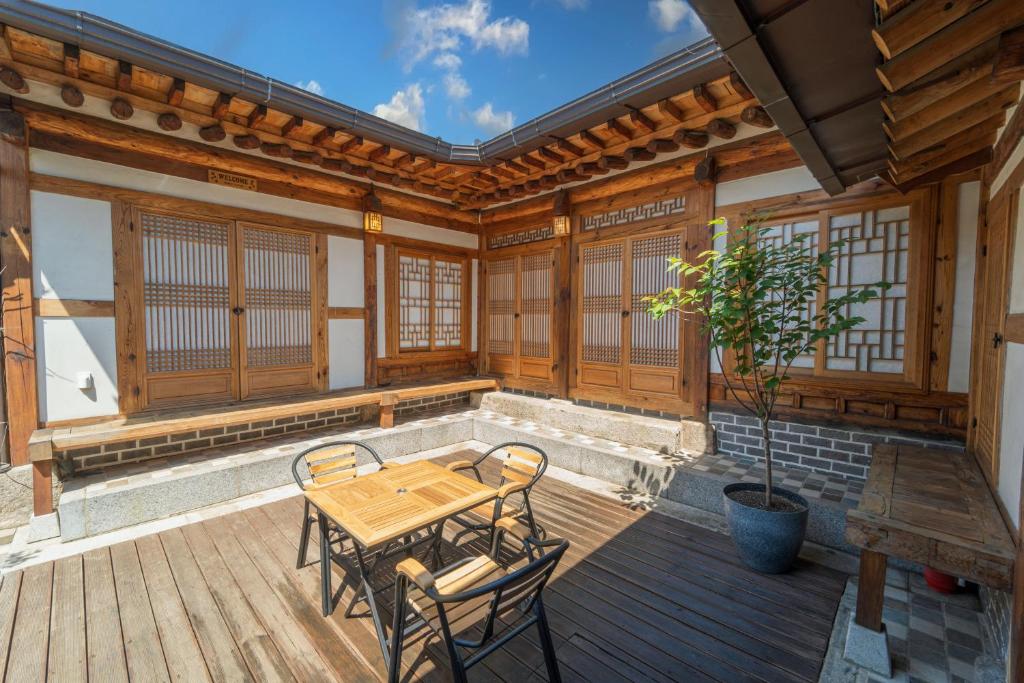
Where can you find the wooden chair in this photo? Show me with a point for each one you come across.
(326, 464)
(463, 602)
(523, 465)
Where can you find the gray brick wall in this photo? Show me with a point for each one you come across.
(419, 405)
(844, 452)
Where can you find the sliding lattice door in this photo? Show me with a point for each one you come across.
(624, 355)
(190, 342)
(275, 283)
(520, 309)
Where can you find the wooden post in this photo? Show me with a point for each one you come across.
(387, 409)
(40, 453)
(1016, 664)
(871, 590)
(16, 255)
(563, 310)
(370, 301)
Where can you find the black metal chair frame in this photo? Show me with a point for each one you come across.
(532, 608)
(525, 513)
(307, 519)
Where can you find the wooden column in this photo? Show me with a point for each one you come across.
(370, 301)
(16, 255)
(871, 590)
(563, 314)
(698, 240)
(388, 401)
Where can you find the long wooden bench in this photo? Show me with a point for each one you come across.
(929, 506)
(172, 426)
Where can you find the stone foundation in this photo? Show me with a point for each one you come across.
(997, 609)
(844, 452)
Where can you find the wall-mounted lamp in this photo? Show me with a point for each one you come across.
(561, 222)
(373, 220)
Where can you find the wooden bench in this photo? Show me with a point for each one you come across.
(929, 506)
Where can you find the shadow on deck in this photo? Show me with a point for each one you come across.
(639, 596)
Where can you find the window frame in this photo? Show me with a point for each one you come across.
(393, 302)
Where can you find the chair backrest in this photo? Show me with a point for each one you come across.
(329, 463)
(523, 463)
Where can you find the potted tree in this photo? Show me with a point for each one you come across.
(762, 301)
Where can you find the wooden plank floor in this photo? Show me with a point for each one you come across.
(639, 596)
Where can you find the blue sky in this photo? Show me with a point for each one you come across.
(462, 69)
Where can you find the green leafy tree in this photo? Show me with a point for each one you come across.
(758, 298)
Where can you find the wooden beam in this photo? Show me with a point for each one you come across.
(379, 154)
(691, 139)
(533, 161)
(918, 21)
(246, 141)
(71, 54)
(352, 144)
(592, 168)
(503, 172)
(638, 154)
(324, 136)
(73, 308)
(72, 96)
(16, 278)
(13, 80)
(571, 175)
(515, 166)
(221, 106)
(956, 123)
(1008, 141)
(257, 116)
(932, 114)
(958, 74)
(592, 140)
(704, 99)
(721, 128)
(641, 120)
(1008, 66)
(124, 76)
(705, 173)
(756, 116)
(551, 155)
(177, 92)
(214, 133)
(290, 125)
(740, 86)
(370, 304)
(662, 146)
(169, 121)
(613, 163)
(307, 157)
(977, 137)
(121, 109)
(672, 110)
(567, 146)
(616, 127)
(871, 590)
(405, 160)
(986, 22)
(962, 165)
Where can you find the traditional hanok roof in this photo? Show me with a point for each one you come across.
(677, 101)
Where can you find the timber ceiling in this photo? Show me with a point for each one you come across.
(687, 119)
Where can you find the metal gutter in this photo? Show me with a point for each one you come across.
(728, 24)
(677, 71)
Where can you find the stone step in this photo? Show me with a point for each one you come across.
(693, 479)
(654, 433)
(102, 501)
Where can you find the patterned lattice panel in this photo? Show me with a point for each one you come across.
(278, 298)
(413, 302)
(653, 342)
(536, 304)
(447, 304)
(501, 303)
(663, 208)
(876, 248)
(186, 294)
(780, 235)
(601, 324)
(511, 239)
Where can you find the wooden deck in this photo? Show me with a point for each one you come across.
(639, 596)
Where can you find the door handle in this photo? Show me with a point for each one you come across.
(238, 310)
(997, 339)
(625, 314)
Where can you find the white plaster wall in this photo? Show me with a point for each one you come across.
(344, 272)
(1011, 446)
(77, 168)
(430, 233)
(66, 347)
(1017, 272)
(72, 251)
(963, 298)
(381, 296)
(474, 294)
(345, 353)
(766, 185)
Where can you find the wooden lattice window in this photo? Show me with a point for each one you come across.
(501, 305)
(653, 342)
(536, 303)
(601, 331)
(430, 301)
(186, 293)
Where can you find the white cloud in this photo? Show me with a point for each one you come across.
(312, 86)
(405, 108)
(447, 60)
(669, 14)
(443, 28)
(493, 122)
(456, 86)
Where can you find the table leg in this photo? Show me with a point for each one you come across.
(372, 604)
(325, 564)
(871, 589)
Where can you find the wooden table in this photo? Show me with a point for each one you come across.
(930, 506)
(386, 508)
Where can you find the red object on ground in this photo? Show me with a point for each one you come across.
(940, 581)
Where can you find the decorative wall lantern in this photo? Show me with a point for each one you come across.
(373, 220)
(561, 222)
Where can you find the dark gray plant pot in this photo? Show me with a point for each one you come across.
(767, 541)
